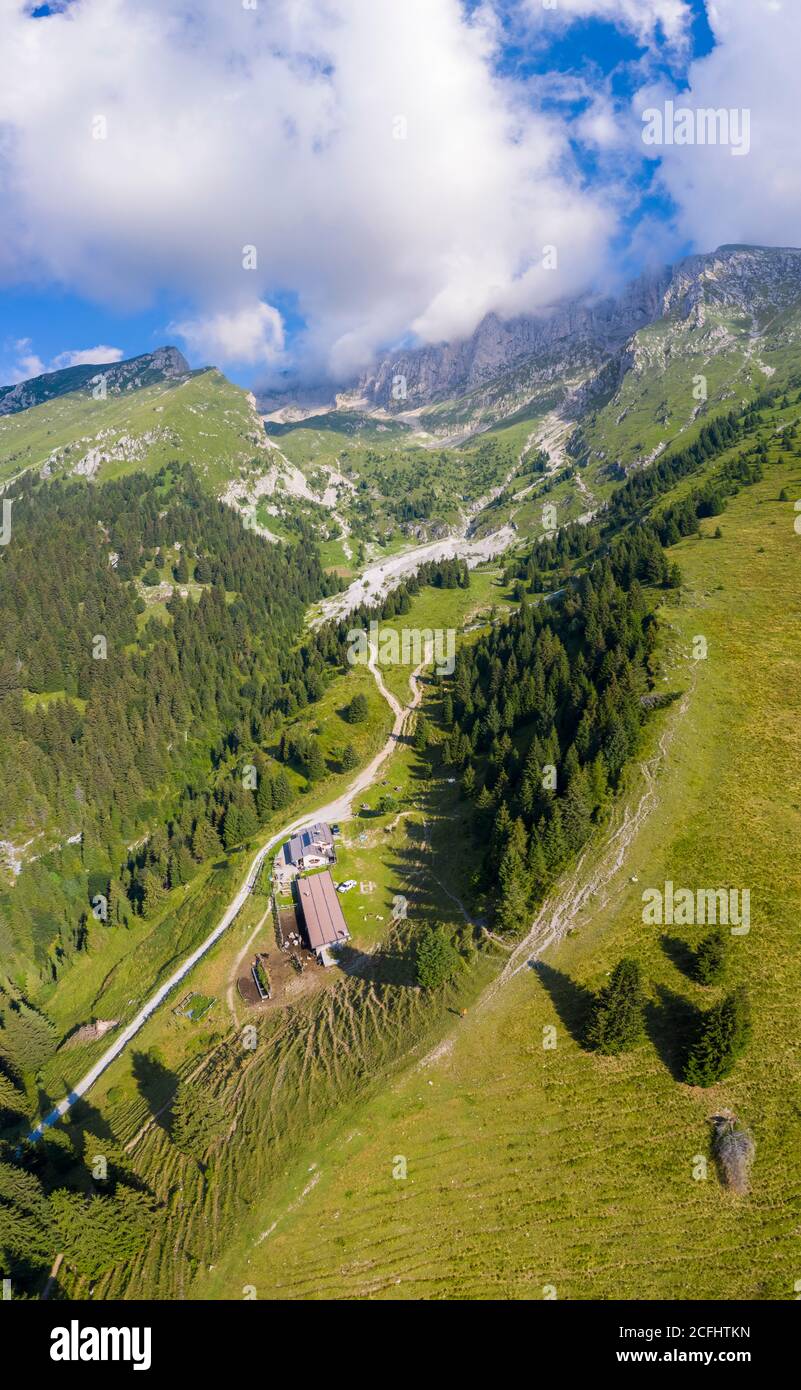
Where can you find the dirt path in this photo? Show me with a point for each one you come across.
(559, 912)
(377, 580)
(232, 974)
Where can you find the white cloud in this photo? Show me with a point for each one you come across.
(27, 363)
(81, 357)
(252, 335)
(278, 127)
(754, 66)
(649, 21)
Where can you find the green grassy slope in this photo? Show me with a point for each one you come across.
(530, 1167)
(203, 419)
(397, 482)
(660, 398)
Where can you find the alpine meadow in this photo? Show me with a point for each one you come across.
(400, 666)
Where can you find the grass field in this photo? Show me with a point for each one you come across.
(529, 1167)
(440, 610)
(203, 419)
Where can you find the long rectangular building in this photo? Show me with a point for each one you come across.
(322, 914)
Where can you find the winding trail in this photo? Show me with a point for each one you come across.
(338, 809)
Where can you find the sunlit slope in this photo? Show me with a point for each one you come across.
(675, 375)
(530, 1168)
(202, 419)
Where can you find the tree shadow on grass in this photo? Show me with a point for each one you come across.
(87, 1119)
(384, 966)
(157, 1086)
(573, 1002)
(682, 955)
(672, 1024)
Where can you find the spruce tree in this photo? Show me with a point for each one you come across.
(723, 1036)
(198, 1118)
(315, 762)
(358, 709)
(437, 959)
(617, 1020)
(350, 758)
(710, 958)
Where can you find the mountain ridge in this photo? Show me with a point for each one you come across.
(585, 330)
(163, 364)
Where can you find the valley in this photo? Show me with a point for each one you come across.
(614, 556)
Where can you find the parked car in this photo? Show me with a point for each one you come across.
(346, 886)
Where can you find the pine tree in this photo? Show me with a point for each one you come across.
(153, 894)
(27, 1234)
(315, 762)
(205, 840)
(512, 909)
(282, 791)
(27, 1037)
(422, 734)
(264, 798)
(437, 959)
(358, 709)
(99, 1232)
(12, 1100)
(198, 1119)
(618, 1016)
(723, 1037)
(350, 758)
(710, 958)
(467, 788)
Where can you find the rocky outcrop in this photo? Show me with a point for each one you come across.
(165, 364)
(590, 337)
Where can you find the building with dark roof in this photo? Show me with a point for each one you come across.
(309, 849)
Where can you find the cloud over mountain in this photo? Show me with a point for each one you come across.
(389, 179)
(316, 179)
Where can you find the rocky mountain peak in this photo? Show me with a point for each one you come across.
(164, 364)
(577, 336)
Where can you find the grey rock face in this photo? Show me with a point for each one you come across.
(583, 334)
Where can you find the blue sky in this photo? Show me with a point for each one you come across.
(276, 131)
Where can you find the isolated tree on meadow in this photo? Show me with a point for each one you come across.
(198, 1118)
(350, 758)
(710, 958)
(617, 1020)
(437, 958)
(723, 1037)
(358, 709)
